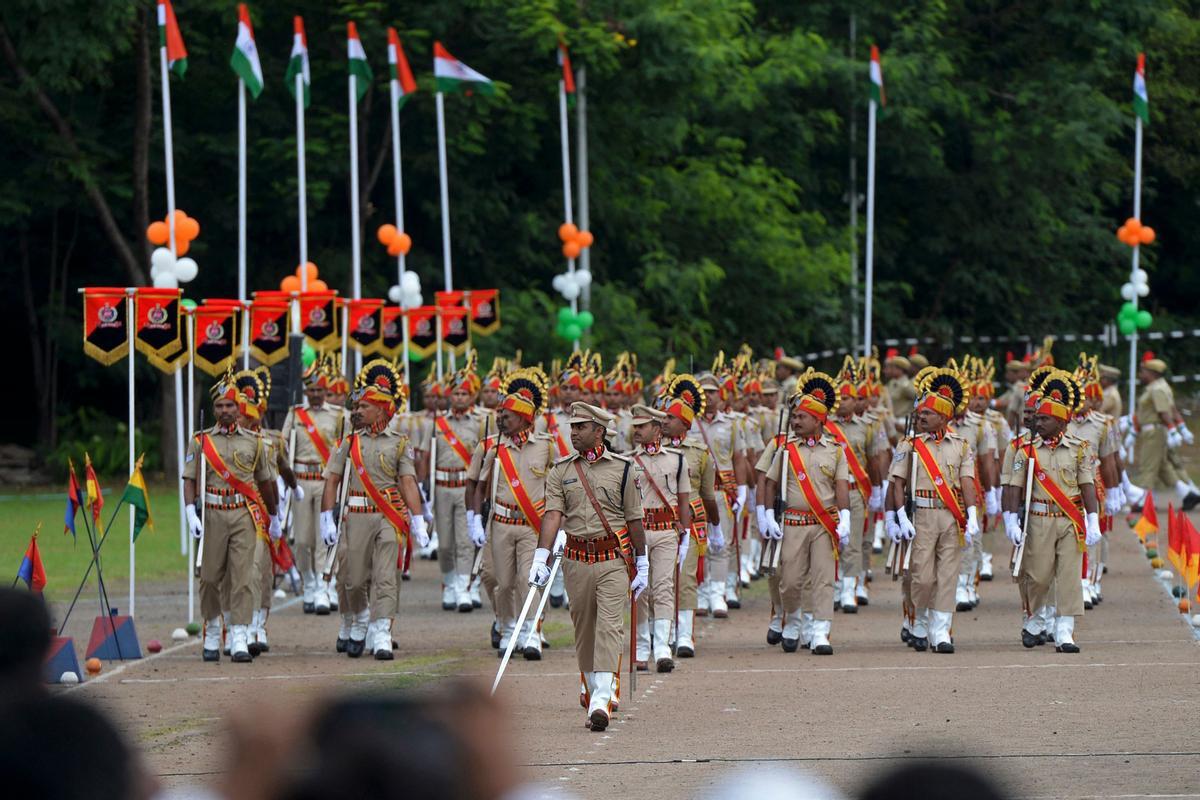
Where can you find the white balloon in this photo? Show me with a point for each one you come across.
(571, 290)
(1142, 290)
(166, 280)
(410, 281)
(413, 300)
(583, 277)
(156, 270)
(558, 282)
(162, 258)
(1140, 276)
(1128, 292)
(186, 269)
(395, 294)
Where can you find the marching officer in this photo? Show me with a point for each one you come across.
(1160, 430)
(897, 371)
(512, 480)
(239, 502)
(376, 466)
(1062, 518)
(593, 496)
(666, 517)
(313, 431)
(1110, 378)
(935, 469)
(808, 472)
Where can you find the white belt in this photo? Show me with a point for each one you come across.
(223, 499)
(450, 474)
(1149, 426)
(1042, 507)
(308, 466)
(359, 502)
(928, 502)
(506, 510)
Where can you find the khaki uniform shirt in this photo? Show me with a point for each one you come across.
(826, 465)
(244, 453)
(982, 436)
(329, 421)
(902, 393)
(533, 461)
(721, 436)
(953, 454)
(1069, 464)
(1155, 399)
(702, 472)
(467, 428)
(541, 424)
(387, 457)
(1112, 405)
(565, 493)
(1094, 429)
(668, 469)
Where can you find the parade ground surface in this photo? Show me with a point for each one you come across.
(1113, 721)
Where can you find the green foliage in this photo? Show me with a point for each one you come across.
(85, 429)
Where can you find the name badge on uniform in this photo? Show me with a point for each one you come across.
(569, 480)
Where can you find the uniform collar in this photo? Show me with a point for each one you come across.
(651, 448)
(1055, 442)
(519, 438)
(225, 430)
(936, 436)
(806, 441)
(676, 441)
(375, 430)
(593, 455)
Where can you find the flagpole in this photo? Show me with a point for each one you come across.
(853, 183)
(241, 94)
(398, 191)
(129, 318)
(438, 328)
(447, 269)
(404, 333)
(191, 423)
(301, 181)
(568, 213)
(168, 148)
(355, 243)
(1137, 214)
(581, 164)
(179, 440)
(869, 259)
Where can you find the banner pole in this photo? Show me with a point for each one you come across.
(564, 136)
(869, 256)
(179, 440)
(191, 423)
(242, 203)
(301, 180)
(1137, 214)
(131, 322)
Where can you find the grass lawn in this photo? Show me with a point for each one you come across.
(158, 555)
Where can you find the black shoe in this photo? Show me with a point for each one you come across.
(242, 657)
(341, 645)
(532, 654)
(556, 601)
(944, 647)
(333, 606)
(322, 611)
(599, 720)
(1041, 638)
(465, 608)
(774, 637)
(1189, 503)
(476, 604)
(963, 606)
(255, 649)
(354, 648)
(404, 576)
(876, 550)
(846, 609)
(862, 601)
(495, 636)
(449, 606)
(790, 645)
(1105, 570)
(264, 648)
(905, 636)
(734, 603)
(1049, 636)
(1067, 647)
(1087, 605)
(211, 655)
(823, 650)
(684, 652)
(920, 644)
(837, 605)
(983, 577)
(309, 608)
(383, 655)
(1029, 640)
(664, 665)
(805, 645)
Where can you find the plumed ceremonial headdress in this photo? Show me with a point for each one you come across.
(524, 392)
(726, 381)
(942, 392)
(684, 399)
(465, 378)
(593, 380)
(849, 379)
(575, 370)
(815, 394)
(1036, 379)
(251, 394)
(380, 384)
(495, 376)
(1087, 374)
(1060, 396)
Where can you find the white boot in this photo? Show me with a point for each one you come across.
(860, 590)
(985, 568)
(820, 645)
(462, 594)
(227, 633)
(643, 641)
(506, 632)
(662, 650)
(806, 629)
(381, 641)
(793, 630)
(331, 592)
(344, 632)
(212, 639)
(685, 647)
(849, 600)
(358, 626)
(755, 556)
(972, 592)
(920, 624)
(260, 630)
(1064, 636)
(703, 606)
(939, 631)
(962, 597)
(602, 695)
(530, 642)
(1086, 588)
(716, 599)
(1182, 490)
(1134, 494)
(238, 644)
(310, 589)
(1049, 614)
(877, 541)
(731, 591)
(473, 593)
(449, 592)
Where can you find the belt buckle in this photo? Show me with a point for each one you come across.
(589, 546)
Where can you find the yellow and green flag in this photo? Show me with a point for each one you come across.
(138, 497)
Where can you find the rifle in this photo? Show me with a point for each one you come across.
(339, 515)
(769, 562)
(560, 543)
(200, 496)
(485, 511)
(291, 534)
(900, 553)
(1019, 552)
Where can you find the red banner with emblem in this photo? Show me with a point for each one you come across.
(484, 306)
(269, 327)
(156, 321)
(422, 331)
(218, 326)
(392, 339)
(318, 319)
(364, 324)
(105, 331)
(456, 329)
(173, 363)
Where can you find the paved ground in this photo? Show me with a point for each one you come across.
(1113, 721)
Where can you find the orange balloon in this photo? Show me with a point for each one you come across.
(93, 666)
(567, 231)
(187, 229)
(1146, 235)
(1122, 232)
(571, 249)
(1133, 224)
(404, 241)
(585, 239)
(290, 284)
(309, 268)
(158, 233)
(317, 286)
(393, 248)
(386, 233)
(182, 246)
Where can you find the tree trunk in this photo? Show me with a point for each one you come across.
(141, 131)
(166, 408)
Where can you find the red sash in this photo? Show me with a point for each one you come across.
(728, 480)
(856, 467)
(379, 499)
(1059, 497)
(254, 502)
(552, 427)
(451, 439)
(513, 478)
(314, 434)
(940, 484)
(810, 494)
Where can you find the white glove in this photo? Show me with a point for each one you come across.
(1127, 444)
(716, 538)
(1120, 492)
(281, 489)
(843, 527)
(1113, 501)
(1186, 434)
(892, 527)
(683, 548)
(276, 528)
(478, 534)
(1092, 530)
(298, 492)
(773, 529)
(420, 531)
(329, 529)
(875, 501)
(991, 501)
(426, 514)
(972, 530)
(1012, 528)
(760, 517)
(1124, 424)
(194, 523)
(539, 573)
(906, 527)
(1174, 439)
(642, 579)
(470, 516)
(740, 502)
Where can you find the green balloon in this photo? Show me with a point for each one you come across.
(1128, 308)
(1144, 319)
(585, 319)
(565, 315)
(1126, 326)
(572, 331)
(188, 303)
(307, 355)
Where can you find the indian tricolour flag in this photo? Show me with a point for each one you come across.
(402, 74)
(454, 76)
(359, 67)
(138, 498)
(1141, 100)
(298, 62)
(877, 93)
(245, 54)
(170, 38)
(568, 74)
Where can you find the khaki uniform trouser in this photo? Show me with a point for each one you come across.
(455, 552)
(687, 576)
(1152, 468)
(806, 569)
(264, 574)
(716, 567)
(599, 596)
(850, 558)
(311, 554)
(228, 555)
(487, 577)
(512, 549)
(1052, 556)
(936, 558)
(662, 551)
(867, 540)
(368, 569)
